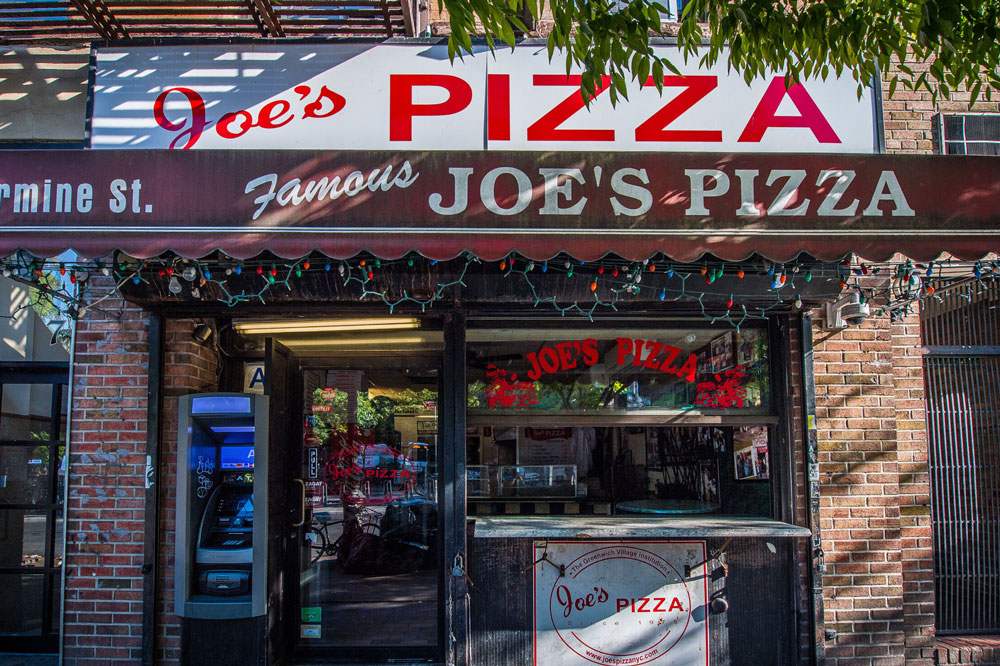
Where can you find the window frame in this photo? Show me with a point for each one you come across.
(943, 141)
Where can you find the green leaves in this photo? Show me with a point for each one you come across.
(938, 45)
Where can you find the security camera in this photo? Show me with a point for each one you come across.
(855, 314)
(848, 311)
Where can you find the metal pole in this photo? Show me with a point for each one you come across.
(815, 573)
(65, 531)
(151, 543)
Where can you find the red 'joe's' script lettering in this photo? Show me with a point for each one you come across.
(232, 125)
(569, 604)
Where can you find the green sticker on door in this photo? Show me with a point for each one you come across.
(312, 614)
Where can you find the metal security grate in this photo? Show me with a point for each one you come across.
(961, 334)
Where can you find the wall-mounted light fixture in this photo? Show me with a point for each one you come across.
(201, 333)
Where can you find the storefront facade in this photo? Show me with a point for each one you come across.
(506, 392)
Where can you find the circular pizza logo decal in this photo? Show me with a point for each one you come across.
(369, 474)
(619, 605)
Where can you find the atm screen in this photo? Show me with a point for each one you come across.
(236, 457)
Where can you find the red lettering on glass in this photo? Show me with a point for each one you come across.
(506, 391)
(369, 473)
(723, 392)
(567, 355)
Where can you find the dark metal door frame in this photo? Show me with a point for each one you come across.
(57, 375)
(453, 402)
(452, 640)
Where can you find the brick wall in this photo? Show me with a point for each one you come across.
(914, 491)
(910, 119)
(189, 367)
(105, 543)
(878, 587)
(107, 472)
(909, 116)
(859, 493)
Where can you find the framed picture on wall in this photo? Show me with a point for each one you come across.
(722, 352)
(704, 361)
(709, 472)
(746, 352)
(750, 453)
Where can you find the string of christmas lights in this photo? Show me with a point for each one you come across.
(909, 283)
(612, 281)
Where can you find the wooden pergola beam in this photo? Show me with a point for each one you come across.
(265, 10)
(387, 20)
(100, 17)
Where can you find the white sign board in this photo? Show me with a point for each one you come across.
(411, 97)
(621, 603)
(253, 378)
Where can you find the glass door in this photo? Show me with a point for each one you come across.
(370, 562)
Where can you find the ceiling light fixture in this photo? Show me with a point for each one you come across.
(373, 343)
(325, 325)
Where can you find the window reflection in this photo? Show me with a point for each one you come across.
(26, 413)
(22, 538)
(370, 558)
(21, 612)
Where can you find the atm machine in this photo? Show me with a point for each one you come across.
(220, 578)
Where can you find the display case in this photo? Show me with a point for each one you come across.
(537, 480)
(477, 478)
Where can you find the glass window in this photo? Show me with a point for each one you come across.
(63, 406)
(972, 134)
(55, 585)
(983, 147)
(984, 127)
(954, 128)
(57, 540)
(619, 470)
(24, 473)
(616, 421)
(566, 371)
(32, 449)
(27, 412)
(21, 611)
(22, 538)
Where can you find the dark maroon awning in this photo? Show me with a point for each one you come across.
(441, 204)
